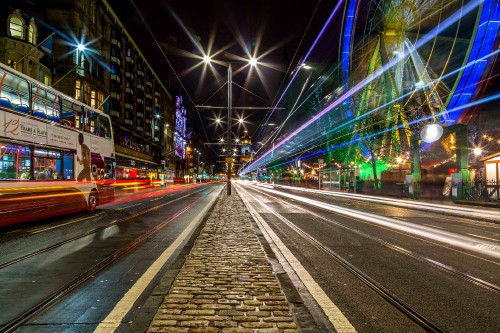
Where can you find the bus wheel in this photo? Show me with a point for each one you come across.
(92, 204)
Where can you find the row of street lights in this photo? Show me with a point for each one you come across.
(229, 159)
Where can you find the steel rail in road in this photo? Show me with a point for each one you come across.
(393, 299)
(56, 296)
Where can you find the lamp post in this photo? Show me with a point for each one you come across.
(229, 160)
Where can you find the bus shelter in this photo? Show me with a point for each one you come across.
(341, 179)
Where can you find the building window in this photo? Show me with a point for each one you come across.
(32, 33)
(16, 26)
(86, 97)
(100, 101)
(78, 91)
(92, 11)
(92, 99)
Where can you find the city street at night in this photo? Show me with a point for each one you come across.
(250, 166)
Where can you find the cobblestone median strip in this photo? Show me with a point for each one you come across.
(226, 284)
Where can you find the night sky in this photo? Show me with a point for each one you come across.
(278, 25)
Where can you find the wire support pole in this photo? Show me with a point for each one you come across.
(229, 112)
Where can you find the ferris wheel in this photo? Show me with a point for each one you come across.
(415, 58)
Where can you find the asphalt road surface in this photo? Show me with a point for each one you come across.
(385, 268)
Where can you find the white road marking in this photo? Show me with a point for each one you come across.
(493, 239)
(335, 316)
(115, 317)
(432, 226)
(137, 204)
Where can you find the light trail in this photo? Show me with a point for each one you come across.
(455, 210)
(457, 109)
(320, 34)
(428, 37)
(352, 121)
(464, 242)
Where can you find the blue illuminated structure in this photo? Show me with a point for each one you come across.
(483, 43)
(346, 52)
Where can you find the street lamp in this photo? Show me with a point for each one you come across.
(79, 63)
(229, 160)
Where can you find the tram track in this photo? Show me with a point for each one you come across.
(431, 262)
(91, 232)
(89, 273)
(407, 309)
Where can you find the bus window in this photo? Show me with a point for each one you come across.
(71, 114)
(54, 111)
(104, 127)
(39, 103)
(109, 168)
(14, 92)
(47, 164)
(45, 104)
(14, 161)
(68, 162)
(92, 124)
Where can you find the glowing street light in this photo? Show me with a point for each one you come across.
(252, 61)
(229, 160)
(477, 151)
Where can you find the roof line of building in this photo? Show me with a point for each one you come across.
(110, 10)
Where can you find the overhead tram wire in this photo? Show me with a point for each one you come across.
(172, 68)
(245, 89)
(214, 93)
(332, 14)
(289, 66)
(444, 25)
